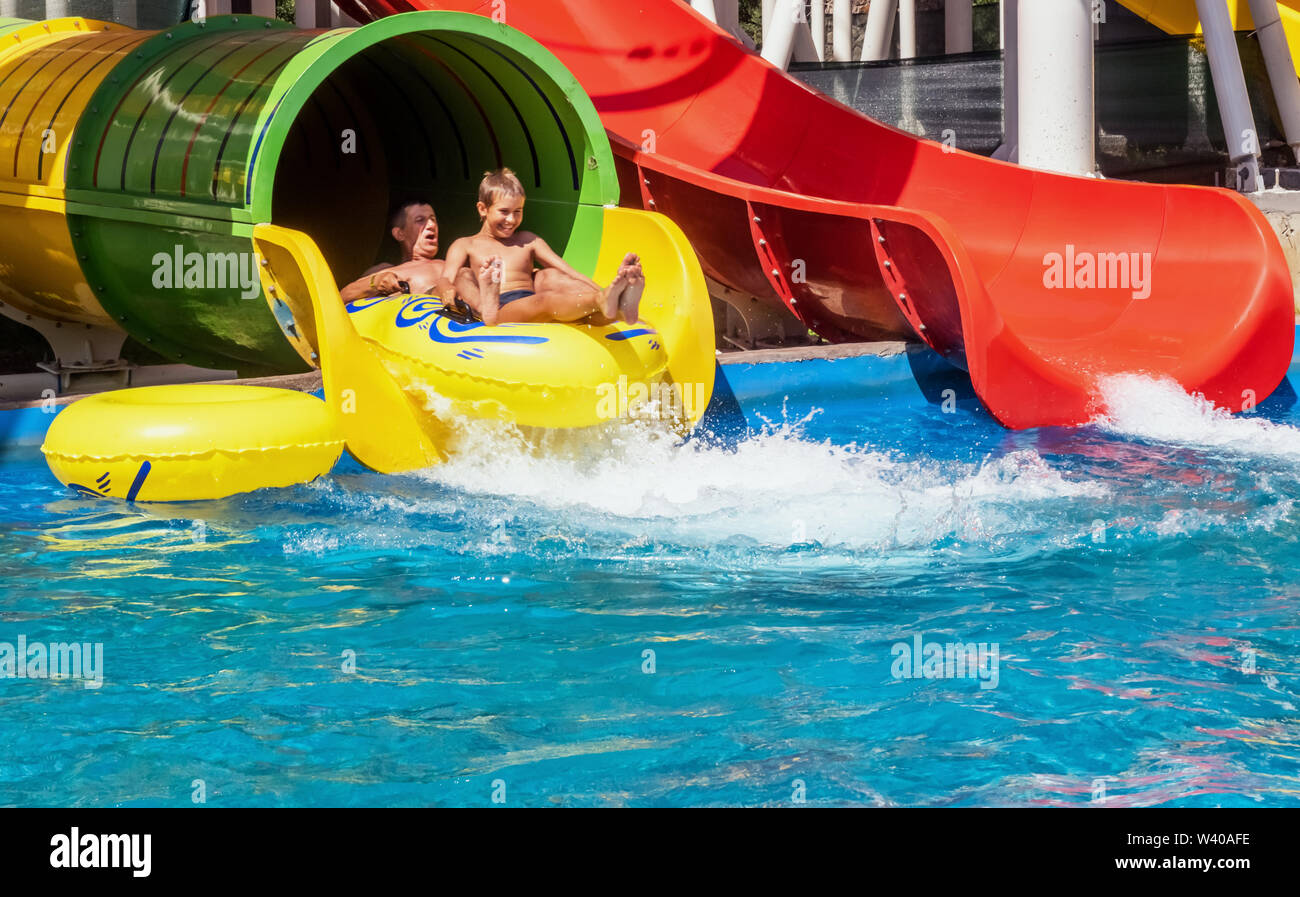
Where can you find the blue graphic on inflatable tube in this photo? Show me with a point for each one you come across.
(416, 310)
(628, 334)
(104, 484)
(443, 329)
(357, 305)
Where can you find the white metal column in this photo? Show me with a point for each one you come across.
(311, 13)
(817, 22)
(842, 31)
(1281, 67)
(779, 31)
(907, 29)
(1057, 130)
(958, 26)
(1230, 90)
(1009, 150)
(880, 30)
(706, 9)
(787, 35)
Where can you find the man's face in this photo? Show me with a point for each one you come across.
(419, 235)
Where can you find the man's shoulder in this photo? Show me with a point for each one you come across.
(375, 269)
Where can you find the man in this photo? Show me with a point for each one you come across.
(414, 227)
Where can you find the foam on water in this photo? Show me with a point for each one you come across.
(1159, 410)
(777, 488)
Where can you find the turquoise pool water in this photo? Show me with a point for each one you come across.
(481, 631)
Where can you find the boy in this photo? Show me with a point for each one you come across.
(494, 270)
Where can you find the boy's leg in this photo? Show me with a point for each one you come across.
(489, 290)
(466, 287)
(561, 299)
(481, 290)
(562, 307)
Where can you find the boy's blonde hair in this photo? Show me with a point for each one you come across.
(497, 184)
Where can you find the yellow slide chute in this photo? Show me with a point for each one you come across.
(384, 359)
(1180, 17)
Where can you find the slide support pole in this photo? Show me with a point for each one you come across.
(1281, 67)
(958, 26)
(1055, 86)
(1230, 90)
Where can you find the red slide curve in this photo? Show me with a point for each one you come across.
(1037, 284)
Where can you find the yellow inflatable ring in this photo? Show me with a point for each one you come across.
(538, 375)
(191, 441)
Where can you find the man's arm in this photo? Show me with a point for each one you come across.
(373, 283)
(457, 258)
(549, 258)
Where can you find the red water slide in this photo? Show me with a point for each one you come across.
(1037, 284)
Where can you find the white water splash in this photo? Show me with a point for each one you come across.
(777, 488)
(1159, 410)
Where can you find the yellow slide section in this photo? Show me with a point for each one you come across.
(48, 73)
(536, 375)
(379, 425)
(1180, 17)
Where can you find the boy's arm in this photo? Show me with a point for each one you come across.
(457, 258)
(549, 258)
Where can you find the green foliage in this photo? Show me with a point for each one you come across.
(751, 19)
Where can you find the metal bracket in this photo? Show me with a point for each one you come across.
(893, 278)
(81, 350)
(647, 199)
(771, 265)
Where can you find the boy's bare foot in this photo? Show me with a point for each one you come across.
(630, 302)
(614, 293)
(489, 289)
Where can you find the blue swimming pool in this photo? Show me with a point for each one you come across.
(622, 619)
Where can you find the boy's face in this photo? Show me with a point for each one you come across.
(504, 216)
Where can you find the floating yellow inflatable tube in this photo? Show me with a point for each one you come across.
(191, 441)
(536, 375)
